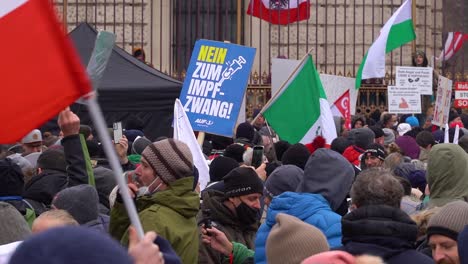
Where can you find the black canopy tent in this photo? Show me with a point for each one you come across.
(129, 88)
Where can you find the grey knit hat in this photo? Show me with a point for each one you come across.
(13, 227)
(170, 159)
(80, 201)
(389, 136)
(292, 240)
(449, 221)
(285, 178)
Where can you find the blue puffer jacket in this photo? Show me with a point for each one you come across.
(310, 208)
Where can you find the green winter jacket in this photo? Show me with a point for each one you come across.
(447, 174)
(170, 213)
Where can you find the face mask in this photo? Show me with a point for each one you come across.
(395, 123)
(144, 190)
(246, 214)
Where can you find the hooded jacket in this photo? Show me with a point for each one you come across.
(310, 208)
(225, 220)
(381, 231)
(327, 179)
(170, 213)
(447, 174)
(329, 174)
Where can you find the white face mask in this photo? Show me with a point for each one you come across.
(144, 190)
(395, 123)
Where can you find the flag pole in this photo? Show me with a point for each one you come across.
(283, 85)
(99, 123)
(413, 17)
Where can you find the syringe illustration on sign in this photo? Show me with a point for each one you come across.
(227, 74)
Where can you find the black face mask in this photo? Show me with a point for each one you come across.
(246, 214)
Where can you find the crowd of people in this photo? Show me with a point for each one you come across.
(388, 190)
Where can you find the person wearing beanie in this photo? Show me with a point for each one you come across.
(443, 230)
(463, 142)
(379, 135)
(318, 200)
(235, 212)
(454, 117)
(339, 144)
(164, 196)
(281, 147)
(245, 134)
(219, 168)
(341, 257)
(447, 174)
(412, 121)
(236, 152)
(463, 245)
(11, 189)
(389, 136)
(82, 203)
(292, 240)
(360, 138)
(70, 245)
(58, 169)
(408, 146)
(13, 226)
(297, 155)
(376, 225)
(374, 156)
(415, 176)
(285, 178)
(403, 128)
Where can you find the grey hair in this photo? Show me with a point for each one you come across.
(376, 186)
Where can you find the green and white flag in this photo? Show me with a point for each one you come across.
(398, 31)
(300, 111)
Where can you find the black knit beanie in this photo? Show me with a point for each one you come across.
(242, 181)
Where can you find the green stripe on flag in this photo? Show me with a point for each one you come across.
(400, 34)
(359, 72)
(297, 109)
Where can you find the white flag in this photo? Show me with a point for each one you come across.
(183, 131)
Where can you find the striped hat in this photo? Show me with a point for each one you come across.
(170, 159)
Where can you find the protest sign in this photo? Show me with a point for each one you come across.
(215, 85)
(404, 100)
(461, 95)
(443, 99)
(416, 77)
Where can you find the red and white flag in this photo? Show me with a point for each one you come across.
(342, 108)
(280, 12)
(41, 73)
(453, 44)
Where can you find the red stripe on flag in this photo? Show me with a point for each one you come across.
(279, 17)
(41, 73)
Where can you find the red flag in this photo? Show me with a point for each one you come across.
(41, 73)
(341, 107)
(280, 12)
(453, 44)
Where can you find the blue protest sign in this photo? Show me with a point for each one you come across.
(215, 85)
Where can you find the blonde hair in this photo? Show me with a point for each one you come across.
(59, 215)
(422, 218)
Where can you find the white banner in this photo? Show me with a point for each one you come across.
(415, 77)
(443, 102)
(404, 100)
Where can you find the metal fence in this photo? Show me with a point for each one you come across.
(338, 33)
